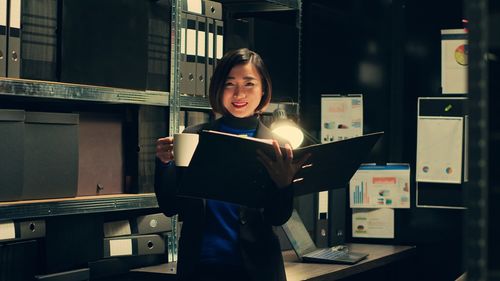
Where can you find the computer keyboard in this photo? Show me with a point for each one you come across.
(327, 253)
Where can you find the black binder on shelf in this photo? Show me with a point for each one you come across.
(219, 40)
(190, 65)
(183, 66)
(158, 50)
(32, 39)
(147, 224)
(212, 9)
(3, 38)
(20, 260)
(134, 245)
(21, 230)
(210, 53)
(201, 54)
(14, 39)
(225, 167)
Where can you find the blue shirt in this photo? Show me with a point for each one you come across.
(220, 242)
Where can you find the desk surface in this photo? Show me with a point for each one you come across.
(379, 255)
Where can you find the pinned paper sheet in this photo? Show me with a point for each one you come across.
(341, 117)
(454, 61)
(439, 149)
(380, 186)
(373, 223)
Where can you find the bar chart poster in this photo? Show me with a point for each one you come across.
(380, 186)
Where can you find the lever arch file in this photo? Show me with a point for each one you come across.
(225, 167)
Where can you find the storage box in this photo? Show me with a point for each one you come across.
(101, 154)
(12, 154)
(51, 155)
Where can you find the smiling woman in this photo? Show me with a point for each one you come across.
(242, 91)
(240, 74)
(223, 241)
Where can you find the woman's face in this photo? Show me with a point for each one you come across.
(242, 90)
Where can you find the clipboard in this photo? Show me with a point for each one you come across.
(225, 167)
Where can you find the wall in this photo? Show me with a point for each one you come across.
(399, 43)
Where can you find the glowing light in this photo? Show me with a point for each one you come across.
(290, 133)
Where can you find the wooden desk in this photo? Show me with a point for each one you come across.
(379, 256)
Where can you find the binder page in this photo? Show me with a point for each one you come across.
(373, 223)
(439, 149)
(380, 186)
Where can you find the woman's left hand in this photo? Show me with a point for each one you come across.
(283, 169)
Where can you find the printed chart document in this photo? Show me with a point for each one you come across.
(439, 149)
(225, 167)
(373, 223)
(380, 186)
(341, 117)
(454, 61)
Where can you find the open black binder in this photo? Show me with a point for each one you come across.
(225, 167)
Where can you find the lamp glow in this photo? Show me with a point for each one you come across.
(289, 132)
(286, 128)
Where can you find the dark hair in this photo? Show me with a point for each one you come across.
(228, 61)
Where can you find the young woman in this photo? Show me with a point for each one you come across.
(219, 240)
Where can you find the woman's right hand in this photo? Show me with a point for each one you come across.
(165, 149)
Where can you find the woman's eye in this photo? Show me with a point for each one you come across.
(229, 85)
(249, 84)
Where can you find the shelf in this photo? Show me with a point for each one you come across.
(194, 102)
(76, 205)
(260, 6)
(67, 91)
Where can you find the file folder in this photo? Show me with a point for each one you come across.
(191, 34)
(147, 224)
(3, 38)
(153, 223)
(158, 51)
(201, 40)
(20, 261)
(240, 178)
(21, 230)
(12, 151)
(212, 9)
(219, 40)
(193, 6)
(183, 66)
(210, 53)
(136, 245)
(14, 40)
(30, 229)
(32, 39)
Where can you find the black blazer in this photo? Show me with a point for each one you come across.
(260, 248)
